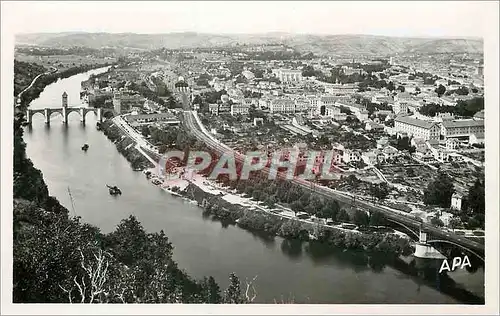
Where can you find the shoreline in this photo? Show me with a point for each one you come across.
(191, 200)
(241, 215)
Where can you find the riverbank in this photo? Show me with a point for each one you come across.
(203, 246)
(251, 215)
(125, 145)
(50, 248)
(28, 182)
(50, 77)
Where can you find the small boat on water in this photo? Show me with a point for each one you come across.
(85, 147)
(156, 181)
(114, 190)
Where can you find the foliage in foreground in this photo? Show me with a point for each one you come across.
(58, 259)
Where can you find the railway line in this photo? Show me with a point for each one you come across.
(197, 129)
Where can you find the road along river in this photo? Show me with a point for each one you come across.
(308, 273)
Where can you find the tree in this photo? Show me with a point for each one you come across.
(343, 216)
(379, 191)
(211, 291)
(377, 219)
(129, 240)
(401, 88)
(439, 191)
(462, 91)
(330, 210)
(410, 172)
(296, 206)
(455, 223)
(475, 200)
(436, 221)
(390, 86)
(145, 131)
(440, 90)
(360, 218)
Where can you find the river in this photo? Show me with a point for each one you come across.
(202, 246)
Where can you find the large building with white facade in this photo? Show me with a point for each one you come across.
(427, 130)
(282, 105)
(462, 128)
(288, 75)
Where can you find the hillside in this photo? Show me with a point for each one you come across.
(318, 44)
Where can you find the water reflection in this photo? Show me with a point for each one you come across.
(377, 264)
(291, 268)
(268, 240)
(292, 248)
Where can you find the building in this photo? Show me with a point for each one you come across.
(452, 144)
(400, 107)
(480, 70)
(476, 139)
(282, 105)
(358, 110)
(125, 100)
(264, 103)
(479, 115)
(288, 75)
(241, 109)
(117, 103)
(139, 119)
(301, 104)
(390, 152)
(351, 155)
(373, 126)
(335, 113)
(379, 99)
(362, 115)
(462, 128)
(427, 130)
(456, 201)
(65, 99)
(340, 89)
(248, 74)
(373, 157)
(213, 108)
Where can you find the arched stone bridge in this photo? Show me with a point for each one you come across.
(64, 111)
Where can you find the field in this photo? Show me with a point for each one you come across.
(62, 62)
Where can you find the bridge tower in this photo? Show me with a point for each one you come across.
(65, 107)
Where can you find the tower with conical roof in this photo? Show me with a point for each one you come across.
(65, 99)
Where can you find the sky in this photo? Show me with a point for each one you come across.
(392, 18)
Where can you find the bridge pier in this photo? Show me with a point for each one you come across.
(82, 115)
(47, 113)
(29, 116)
(64, 115)
(99, 115)
(424, 250)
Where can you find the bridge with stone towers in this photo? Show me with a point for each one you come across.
(64, 111)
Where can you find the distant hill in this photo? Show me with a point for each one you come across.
(318, 44)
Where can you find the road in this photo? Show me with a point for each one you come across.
(52, 70)
(192, 123)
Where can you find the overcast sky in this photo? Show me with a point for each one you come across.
(401, 18)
